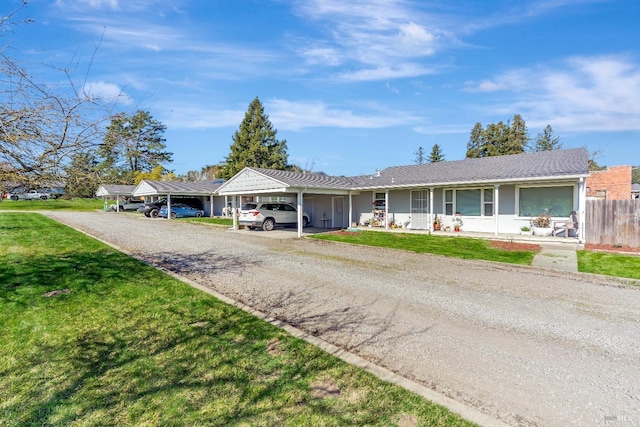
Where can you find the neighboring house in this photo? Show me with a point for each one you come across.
(635, 191)
(203, 190)
(611, 184)
(492, 195)
(114, 192)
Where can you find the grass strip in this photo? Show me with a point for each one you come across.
(91, 336)
(609, 264)
(227, 222)
(458, 247)
(80, 205)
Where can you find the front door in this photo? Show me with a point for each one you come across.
(338, 213)
(420, 209)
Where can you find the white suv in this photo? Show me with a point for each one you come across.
(269, 214)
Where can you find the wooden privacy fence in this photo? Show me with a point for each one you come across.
(613, 222)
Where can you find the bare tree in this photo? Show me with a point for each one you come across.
(43, 126)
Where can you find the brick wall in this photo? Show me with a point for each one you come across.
(611, 184)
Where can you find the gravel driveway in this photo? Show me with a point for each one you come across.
(523, 345)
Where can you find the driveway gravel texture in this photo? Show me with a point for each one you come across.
(524, 345)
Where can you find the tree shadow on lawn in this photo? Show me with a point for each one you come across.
(190, 356)
(168, 369)
(24, 278)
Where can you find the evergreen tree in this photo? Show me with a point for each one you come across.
(436, 154)
(133, 144)
(476, 140)
(419, 159)
(517, 137)
(255, 144)
(498, 139)
(495, 138)
(546, 141)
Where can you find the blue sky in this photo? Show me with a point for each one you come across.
(352, 85)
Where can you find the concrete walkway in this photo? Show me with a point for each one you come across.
(561, 257)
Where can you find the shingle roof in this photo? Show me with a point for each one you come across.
(115, 189)
(176, 187)
(545, 164)
(307, 179)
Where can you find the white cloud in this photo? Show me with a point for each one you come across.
(322, 56)
(193, 116)
(599, 93)
(381, 38)
(386, 72)
(284, 115)
(107, 91)
(113, 4)
(300, 115)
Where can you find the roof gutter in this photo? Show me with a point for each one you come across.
(479, 182)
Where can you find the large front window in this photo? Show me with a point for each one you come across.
(554, 201)
(472, 202)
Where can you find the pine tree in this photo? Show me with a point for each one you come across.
(419, 159)
(255, 144)
(546, 141)
(132, 144)
(436, 154)
(498, 139)
(517, 137)
(476, 141)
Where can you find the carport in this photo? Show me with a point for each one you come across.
(206, 190)
(114, 190)
(324, 193)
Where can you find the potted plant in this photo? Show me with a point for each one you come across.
(457, 223)
(526, 230)
(542, 225)
(437, 223)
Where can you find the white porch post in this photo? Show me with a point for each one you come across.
(211, 205)
(350, 209)
(582, 210)
(169, 206)
(300, 224)
(386, 209)
(233, 212)
(430, 208)
(496, 208)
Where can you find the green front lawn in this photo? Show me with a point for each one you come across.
(610, 264)
(227, 222)
(458, 247)
(90, 336)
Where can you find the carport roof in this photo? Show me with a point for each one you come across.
(149, 187)
(256, 180)
(115, 190)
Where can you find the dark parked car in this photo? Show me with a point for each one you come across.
(179, 210)
(152, 209)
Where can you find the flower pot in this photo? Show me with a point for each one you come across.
(542, 231)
